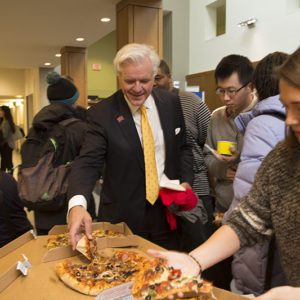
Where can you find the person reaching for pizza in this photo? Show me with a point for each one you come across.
(270, 208)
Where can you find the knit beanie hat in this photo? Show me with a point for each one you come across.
(61, 89)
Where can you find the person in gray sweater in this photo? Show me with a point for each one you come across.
(271, 207)
(233, 77)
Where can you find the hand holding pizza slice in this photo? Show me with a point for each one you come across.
(160, 281)
(87, 247)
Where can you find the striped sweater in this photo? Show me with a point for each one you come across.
(273, 206)
(196, 116)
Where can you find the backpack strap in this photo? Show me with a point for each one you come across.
(276, 115)
(66, 122)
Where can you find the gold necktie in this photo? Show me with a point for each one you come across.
(152, 187)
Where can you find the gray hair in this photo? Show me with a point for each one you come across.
(136, 53)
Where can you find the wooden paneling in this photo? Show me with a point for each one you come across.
(73, 64)
(206, 82)
(140, 22)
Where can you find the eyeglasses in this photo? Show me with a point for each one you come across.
(230, 92)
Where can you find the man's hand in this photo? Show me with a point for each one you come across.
(79, 217)
(281, 293)
(230, 172)
(186, 185)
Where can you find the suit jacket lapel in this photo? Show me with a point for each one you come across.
(163, 112)
(124, 118)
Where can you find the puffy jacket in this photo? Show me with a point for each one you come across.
(263, 128)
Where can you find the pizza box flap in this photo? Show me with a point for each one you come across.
(16, 243)
(221, 294)
(103, 243)
(119, 227)
(59, 253)
(9, 277)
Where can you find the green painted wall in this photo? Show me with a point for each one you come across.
(102, 83)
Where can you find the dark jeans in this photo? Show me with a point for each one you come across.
(6, 158)
(156, 228)
(193, 235)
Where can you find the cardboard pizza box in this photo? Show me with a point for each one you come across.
(119, 227)
(13, 252)
(41, 281)
(22, 248)
(18, 242)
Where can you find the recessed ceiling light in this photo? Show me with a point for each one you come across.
(105, 19)
(47, 64)
(58, 55)
(19, 96)
(80, 39)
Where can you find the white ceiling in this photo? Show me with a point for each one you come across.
(33, 31)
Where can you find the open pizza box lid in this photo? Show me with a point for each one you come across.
(119, 227)
(18, 242)
(24, 249)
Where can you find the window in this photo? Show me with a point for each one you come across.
(215, 19)
(292, 5)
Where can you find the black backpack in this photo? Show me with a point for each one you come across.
(47, 157)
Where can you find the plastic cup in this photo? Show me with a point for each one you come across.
(223, 147)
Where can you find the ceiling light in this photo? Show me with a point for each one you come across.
(58, 55)
(19, 96)
(80, 39)
(105, 19)
(249, 23)
(47, 64)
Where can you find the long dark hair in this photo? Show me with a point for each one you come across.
(266, 84)
(8, 117)
(290, 72)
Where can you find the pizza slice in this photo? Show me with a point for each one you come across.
(62, 239)
(58, 240)
(87, 247)
(103, 273)
(158, 281)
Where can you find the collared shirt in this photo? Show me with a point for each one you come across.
(159, 142)
(158, 136)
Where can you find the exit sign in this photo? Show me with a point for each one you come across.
(96, 67)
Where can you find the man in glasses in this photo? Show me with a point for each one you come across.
(233, 77)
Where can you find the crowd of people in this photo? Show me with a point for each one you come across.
(150, 134)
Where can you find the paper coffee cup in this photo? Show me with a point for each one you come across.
(223, 147)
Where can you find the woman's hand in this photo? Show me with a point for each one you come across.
(281, 293)
(178, 260)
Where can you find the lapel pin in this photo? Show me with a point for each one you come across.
(120, 119)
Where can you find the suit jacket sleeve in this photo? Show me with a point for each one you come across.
(88, 166)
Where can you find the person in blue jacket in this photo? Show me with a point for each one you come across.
(263, 128)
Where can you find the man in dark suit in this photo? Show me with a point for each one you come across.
(113, 147)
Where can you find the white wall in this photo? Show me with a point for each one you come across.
(12, 82)
(180, 38)
(277, 29)
(43, 72)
